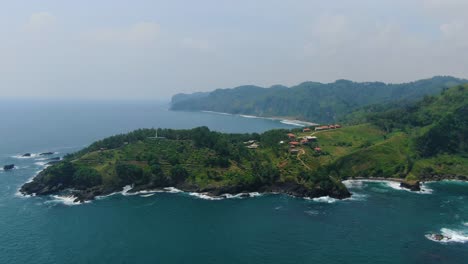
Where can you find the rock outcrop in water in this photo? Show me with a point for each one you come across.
(9, 167)
(414, 186)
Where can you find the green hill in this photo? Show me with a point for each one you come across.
(425, 140)
(310, 101)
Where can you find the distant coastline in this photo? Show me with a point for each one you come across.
(284, 120)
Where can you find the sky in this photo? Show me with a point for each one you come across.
(151, 49)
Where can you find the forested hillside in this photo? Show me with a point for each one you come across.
(310, 101)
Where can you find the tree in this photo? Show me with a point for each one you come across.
(179, 173)
(128, 173)
(85, 177)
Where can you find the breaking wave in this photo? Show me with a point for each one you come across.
(250, 116)
(359, 184)
(68, 200)
(450, 236)
(218, 113)
(205, 196)
(323, 199)
(292, 123)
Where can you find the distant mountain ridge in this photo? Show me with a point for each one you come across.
(310, 101)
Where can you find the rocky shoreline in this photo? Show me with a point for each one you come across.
(36, 187)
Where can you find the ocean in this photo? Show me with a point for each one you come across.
(381, 223)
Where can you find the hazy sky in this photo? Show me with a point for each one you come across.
(152, 49)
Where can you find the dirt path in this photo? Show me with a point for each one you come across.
(302, 152)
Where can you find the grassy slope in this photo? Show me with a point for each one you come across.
(355, 151)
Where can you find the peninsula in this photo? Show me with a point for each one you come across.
(421, 141)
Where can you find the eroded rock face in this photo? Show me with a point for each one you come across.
(414, 186)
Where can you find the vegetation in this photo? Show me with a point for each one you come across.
(413, 141)
(310, 101)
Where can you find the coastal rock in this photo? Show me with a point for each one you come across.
(26, 155)
(46, 154)
(414, 186)
(9, 167)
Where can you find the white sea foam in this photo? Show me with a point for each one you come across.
(250, 116)
(40, 163)
(388, 183)
(125, 190)
(22, 195)
(312, 212)
(255, 194)
(172, 190)
(356, 184)
(218, 113)
(291, 122)
(147, 195)
(232, 196)
(20, 156)
(450, 236)
(204, 196)
(64, 199)
(396, 185)
(323, 199)
(357, 197)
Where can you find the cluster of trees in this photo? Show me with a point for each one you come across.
(67, 174)
(449, 135)
(443, 120)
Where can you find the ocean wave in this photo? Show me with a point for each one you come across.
(250, 116)
(218, 113)
(68, 200)
(354, 184)
(204, 196)
(450, 236)
(292, 123)
(172, 190)
(330, 200)
(357, 197)
(396, 185)
(358, 184)
(22, 195)
(20, 156)
(125, 190)
(147, 195)
(255, 194)
(323, 199)
(312, 212)
(33, 155)
(40, 163)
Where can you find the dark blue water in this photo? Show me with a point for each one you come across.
(381, 224)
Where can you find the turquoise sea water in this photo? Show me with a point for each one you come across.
(380, 224)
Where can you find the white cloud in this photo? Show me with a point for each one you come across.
(40, 22)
